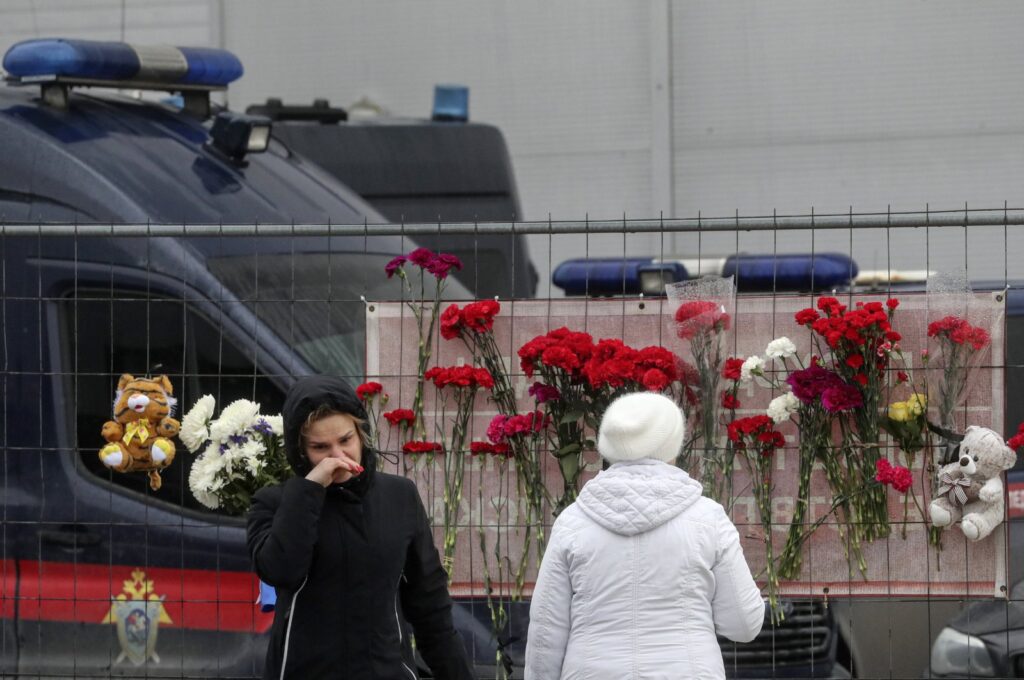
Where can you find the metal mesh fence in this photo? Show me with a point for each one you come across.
(103, 576)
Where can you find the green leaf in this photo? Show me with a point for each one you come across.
(571, 417)
(574, 447)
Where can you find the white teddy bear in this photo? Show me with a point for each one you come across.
(971, 489)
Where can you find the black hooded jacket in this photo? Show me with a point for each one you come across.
(348, 561)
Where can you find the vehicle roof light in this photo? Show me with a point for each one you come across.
(653, 277)
(451, 103)
(648, 276)
(614, 275)
(235, 135)
(791, 272)
(94, 62)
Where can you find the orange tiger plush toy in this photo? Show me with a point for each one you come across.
(140, 434)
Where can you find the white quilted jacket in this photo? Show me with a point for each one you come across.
(639, 576)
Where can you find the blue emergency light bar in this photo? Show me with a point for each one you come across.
(765, 273)
(95, 62)
(613, 275)
(798, 272)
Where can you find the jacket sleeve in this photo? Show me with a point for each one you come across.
(427, 605)
(282, 531)
(737, 605)
(550, 610)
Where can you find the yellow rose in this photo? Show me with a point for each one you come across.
(917, 403)
(899, 412)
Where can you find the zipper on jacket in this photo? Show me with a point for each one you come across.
(288, 629)
(398, 624)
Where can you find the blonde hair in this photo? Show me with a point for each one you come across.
(324, 411)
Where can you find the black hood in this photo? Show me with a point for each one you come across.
(304, 397)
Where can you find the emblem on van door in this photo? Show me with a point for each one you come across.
(137, 612)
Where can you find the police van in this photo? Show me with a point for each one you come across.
(100, 575)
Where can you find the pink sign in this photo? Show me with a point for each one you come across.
(492, 510)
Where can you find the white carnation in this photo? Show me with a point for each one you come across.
(194, 426)
(782, 407)
(751, 366)
(780, 348)
(234, 419)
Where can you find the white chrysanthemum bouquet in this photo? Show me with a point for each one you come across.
(242, 452)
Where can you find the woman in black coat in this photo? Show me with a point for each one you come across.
(350, 551)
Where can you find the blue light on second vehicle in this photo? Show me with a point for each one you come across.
(45, 58)
(754, 273)
(614, 276)
(791, 272)
(451, 103)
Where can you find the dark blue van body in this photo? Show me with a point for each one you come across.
(99, 575)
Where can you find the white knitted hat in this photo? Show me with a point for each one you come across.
(641, 425)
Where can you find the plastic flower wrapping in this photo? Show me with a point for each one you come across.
(238, 453)
(702, 311)
(959, 341)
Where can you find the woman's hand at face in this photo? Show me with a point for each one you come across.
(334, 471)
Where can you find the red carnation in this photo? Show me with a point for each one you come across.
(698, 316)
(1017, 440)
(732, 370)
(730, 401)
(451, 322)
(479, 316)
(855, 361)
(414, 448)
(400, 415)
(368, 389)
(806, 317)
(655, 380)
(896, 476)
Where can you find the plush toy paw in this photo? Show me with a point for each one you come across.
(162, 452)
(973, 528)
(168, 427)
(990, 493)
(940, 516)
(111, 455)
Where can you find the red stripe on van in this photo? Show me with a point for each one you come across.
(1015, 504)
(192, 598)
(8, 589)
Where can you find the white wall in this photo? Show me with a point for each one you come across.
(181, 22)
(786, 105)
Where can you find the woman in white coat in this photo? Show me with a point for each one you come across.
(642, 572)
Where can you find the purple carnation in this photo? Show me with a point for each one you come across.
(809, 384)
(394, 265)
(442, 263)
(543, 393)
(496, 430)
(421, 257)
(841, 398)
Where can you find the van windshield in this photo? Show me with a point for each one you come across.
(312, 300)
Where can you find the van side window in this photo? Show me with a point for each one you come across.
(108, 333)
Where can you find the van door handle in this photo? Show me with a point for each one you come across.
(73, 536)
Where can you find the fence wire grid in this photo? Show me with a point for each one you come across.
(239, 311)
